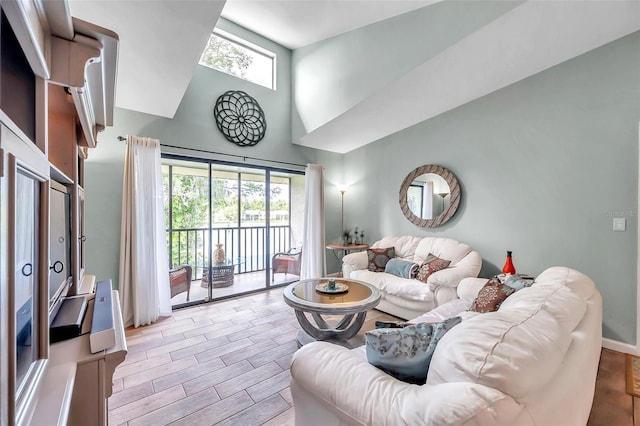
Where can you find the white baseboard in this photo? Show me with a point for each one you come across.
(614, 345)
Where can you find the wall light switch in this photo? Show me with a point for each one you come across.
(619, 224)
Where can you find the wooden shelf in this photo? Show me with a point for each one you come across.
(56, 394)
(77, 383)
(58, 176)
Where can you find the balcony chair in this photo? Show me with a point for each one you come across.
(286, 262)
(180, 280)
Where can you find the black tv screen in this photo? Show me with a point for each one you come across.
(60, 275)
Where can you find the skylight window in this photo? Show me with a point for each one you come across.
(232, 55)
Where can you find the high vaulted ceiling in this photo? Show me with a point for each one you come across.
(528, 39)
(161, 42)
(295, 24)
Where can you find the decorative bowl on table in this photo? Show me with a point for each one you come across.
(332, 287)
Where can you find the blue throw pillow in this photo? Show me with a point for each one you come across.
(401, 268)
(518, 282)
(405, 353)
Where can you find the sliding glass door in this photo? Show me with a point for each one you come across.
(187, 215)
(227, 221)
(286, 205)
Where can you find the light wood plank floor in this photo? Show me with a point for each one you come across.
(242, 283)
(227, 363)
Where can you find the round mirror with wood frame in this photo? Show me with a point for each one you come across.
(424, 181)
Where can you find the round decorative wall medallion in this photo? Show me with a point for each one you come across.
(240, 118)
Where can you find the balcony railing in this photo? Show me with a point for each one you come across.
(191, 245)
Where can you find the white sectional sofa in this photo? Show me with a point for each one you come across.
(408, 298)
(532, 362)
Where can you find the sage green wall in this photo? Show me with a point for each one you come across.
(192, 127)
(333, 75)
(543, 165)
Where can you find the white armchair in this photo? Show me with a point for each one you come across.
(486, 371)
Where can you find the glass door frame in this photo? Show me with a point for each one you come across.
(267, 242)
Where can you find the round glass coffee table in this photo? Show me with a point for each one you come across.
(312, 296)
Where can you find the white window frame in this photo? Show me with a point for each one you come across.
(250, 46)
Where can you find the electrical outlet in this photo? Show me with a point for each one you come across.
(619, 224)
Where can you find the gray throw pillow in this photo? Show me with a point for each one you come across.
(518, 282)
(405, 353)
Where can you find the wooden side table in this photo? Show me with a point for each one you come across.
(346, 248)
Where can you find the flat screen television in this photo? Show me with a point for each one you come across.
(60, 267)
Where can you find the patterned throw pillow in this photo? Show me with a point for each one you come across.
(405, 353)
(491, 296)
(430, 265)
(378, 258)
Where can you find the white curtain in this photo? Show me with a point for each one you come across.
(144, 265)
(313, 264)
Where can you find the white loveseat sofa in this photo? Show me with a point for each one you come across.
(532, 362)
(407, 298)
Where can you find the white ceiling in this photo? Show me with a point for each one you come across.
(295, 24)
(529, 39)
(161, 42)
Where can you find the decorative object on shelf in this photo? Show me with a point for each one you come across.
(353, 236)
(240, 118)
(218, 254)
(358, 235)
(508, 267)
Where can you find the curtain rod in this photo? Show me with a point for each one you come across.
(244, 157)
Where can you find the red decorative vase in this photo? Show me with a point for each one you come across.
(508, 267)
